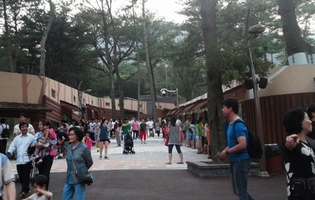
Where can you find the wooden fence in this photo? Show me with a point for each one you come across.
(273, 108)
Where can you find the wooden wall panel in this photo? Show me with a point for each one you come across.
(272, 110)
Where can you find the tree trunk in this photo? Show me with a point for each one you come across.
(120, 88)
(150, 70)
(44, 38)
(291, 30)
(112, 91)
(215, 94)
(7, 40)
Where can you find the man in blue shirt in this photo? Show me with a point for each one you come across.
(237, 138)
(20, 145)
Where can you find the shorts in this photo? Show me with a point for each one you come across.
(44, 144)
(188, 135)
(204, 140)
(105, 140)
(194, 137)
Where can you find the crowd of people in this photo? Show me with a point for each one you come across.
(74, 143)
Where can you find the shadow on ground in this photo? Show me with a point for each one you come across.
(168, 184)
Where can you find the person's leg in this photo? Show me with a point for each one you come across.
(142, 133)
(170, 149)
(187, 138)
(68, 191)
(97, 143)
(19, 169)
(145, 138)
(79, 191)
(101, 148)
(209, 152)
(36, 152)
(241, 169)
(117, 138)
(25, 175)
(106, 148)
(232, 177)
(45, 167)
(181, 160)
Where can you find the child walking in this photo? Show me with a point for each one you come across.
(39, 184)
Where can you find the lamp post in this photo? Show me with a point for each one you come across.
(80, 99)
(164, 90)
(254, 31)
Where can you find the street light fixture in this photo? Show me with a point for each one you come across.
(164, 90)
(254, 31)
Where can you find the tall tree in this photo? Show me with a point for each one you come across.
(113, 37)
(215, 94)
(150, 70)
(44, 38)
(291, 30)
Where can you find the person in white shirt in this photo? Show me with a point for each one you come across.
(3, 141)
(20, 145)
(40, 189)
(22, 118)
(150, 125)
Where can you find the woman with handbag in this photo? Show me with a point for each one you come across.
(174, 140)
(79, 160)
(299, 156)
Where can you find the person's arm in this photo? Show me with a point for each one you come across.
(12, 148)
(8, 179)
(46, 193)
(291, 141)
(9, 191)
(62, 139)
(241, 145)
(87, 157)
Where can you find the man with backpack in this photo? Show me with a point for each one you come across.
(237, 140)
(4, 135)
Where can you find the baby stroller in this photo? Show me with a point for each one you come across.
(128, 145)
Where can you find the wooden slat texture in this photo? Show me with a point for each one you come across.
(272, 110)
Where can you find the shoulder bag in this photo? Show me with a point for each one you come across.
(82, 178)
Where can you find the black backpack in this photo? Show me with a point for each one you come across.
(5, 132)
(254, 146)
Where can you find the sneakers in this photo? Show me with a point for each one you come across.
(98, 150)
(100, 157)
(105, 157)
(23, 194)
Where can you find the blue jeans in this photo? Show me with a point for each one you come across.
(239, 175)
(69, 190)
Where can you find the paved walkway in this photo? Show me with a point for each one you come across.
(152, 155)
(145, 175)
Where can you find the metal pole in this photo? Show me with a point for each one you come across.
(259, 126)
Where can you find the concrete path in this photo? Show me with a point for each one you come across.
(145, 176)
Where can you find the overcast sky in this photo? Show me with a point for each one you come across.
(162, 8)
